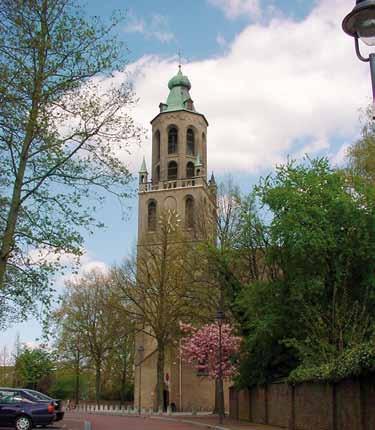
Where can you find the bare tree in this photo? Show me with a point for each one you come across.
(87, 311)
(159, 286)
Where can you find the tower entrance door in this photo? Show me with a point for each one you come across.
(165, 399)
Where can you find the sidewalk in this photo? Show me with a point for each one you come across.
(213, 423)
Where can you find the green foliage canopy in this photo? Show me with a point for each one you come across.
(320, 304)
(34, 368)
(61, 131)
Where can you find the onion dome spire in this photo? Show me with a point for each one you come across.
(179, 97)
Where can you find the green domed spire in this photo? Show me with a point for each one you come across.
(179, 81)
(179, 97)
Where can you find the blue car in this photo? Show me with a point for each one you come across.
(22, 413)
(36, 395)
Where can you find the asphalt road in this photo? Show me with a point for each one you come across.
(70, 423)
(75, 421)
(104, 422)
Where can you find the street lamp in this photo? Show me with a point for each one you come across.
(220, 318)
(360, 24)
(141, 350)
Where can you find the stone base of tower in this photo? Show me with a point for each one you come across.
(184, 390)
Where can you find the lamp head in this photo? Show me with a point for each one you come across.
(360, 22)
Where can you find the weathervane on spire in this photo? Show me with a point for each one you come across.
(179, 59)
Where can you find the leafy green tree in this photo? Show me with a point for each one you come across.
(64, 382)
(34, 368)
(237, 259)
(70, 347)
(361, 154)
(60, 135)
(120, 363)
(321, 303)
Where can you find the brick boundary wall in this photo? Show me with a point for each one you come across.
(346, 405)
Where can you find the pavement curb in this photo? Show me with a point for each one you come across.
(196, 423)
(156, 417)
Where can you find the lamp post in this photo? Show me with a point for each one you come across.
(140, 358)
(220, 319)
(360, 24)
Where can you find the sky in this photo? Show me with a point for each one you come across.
(274, 78)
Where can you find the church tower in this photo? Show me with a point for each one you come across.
(177, 181)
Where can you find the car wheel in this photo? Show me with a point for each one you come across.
(23, 423)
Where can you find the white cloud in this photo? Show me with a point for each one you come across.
(156, 27)
(135, 25)
(49, 255)
(236, 8)
(338, 159)
(73, 266)
(31, 344)
(221, 41)
(276, 85)
(87, 264)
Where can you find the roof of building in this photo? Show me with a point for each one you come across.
(179, 96)
(143, 166)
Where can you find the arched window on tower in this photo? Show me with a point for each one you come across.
(172, 140)
(190, 142)
(157, 172)
(151, 216)
(190, 170)
(157, 145)
(172, 170)
(189, 212)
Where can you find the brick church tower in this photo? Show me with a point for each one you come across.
(178, 182)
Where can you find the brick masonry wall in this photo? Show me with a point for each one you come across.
(258, 405)
(279, 404)
(313, 407)
(347, 405)
(244, 405)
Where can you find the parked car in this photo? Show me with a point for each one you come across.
(32, 394)
(18, 411)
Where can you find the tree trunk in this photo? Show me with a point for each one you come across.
(123, 382)
(97, 383)
(217, 397)
(31, 127)
(160, 376)
(77, 381)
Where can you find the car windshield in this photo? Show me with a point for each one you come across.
(37, 395)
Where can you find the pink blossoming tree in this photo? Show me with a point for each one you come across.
(199, 348)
